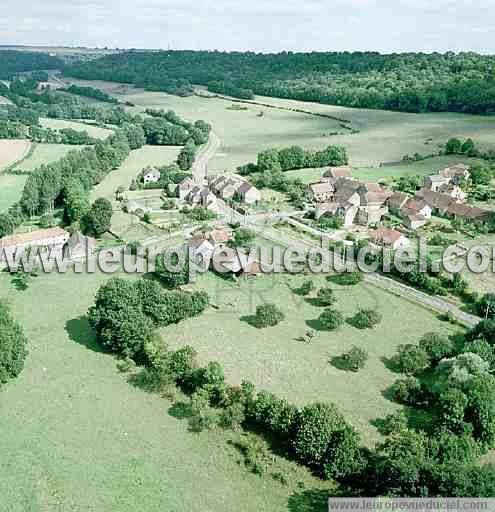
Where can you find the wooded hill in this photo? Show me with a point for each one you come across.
(409, 82)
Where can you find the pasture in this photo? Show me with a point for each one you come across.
(12, 151)
(274, 358)
(75, 435)
(136, 161)
(389, 173)
(383, 136)
(45, 154)
(59, 124)
(11, 185)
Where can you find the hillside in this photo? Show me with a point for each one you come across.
(409, 82)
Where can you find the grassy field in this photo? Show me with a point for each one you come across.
(10, 185)
(45, 154)
(10, 190)
(389, 173)
(59, 124)
(11, 151)
(383, 136)
(76, 436)
(137, 160)
(275, 360)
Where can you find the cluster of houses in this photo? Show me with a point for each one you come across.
(361, 203)
(353, 201)
(56, 241)
(209, 244)
(206, 192)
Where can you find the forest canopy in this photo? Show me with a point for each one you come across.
(12, 62)
(409, 82)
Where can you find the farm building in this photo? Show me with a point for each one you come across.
(79, 246)
(390, 238)
(52, 239)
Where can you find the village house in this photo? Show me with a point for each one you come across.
(79, 246)
(223, 187)
(353, 201)
(447, 206)
(209, 245)
(396, 201)
(321, 191)
(390, 238)
(184, 187)
(248, 193)
(448, 181)
(456, 172)
(151, 175)
(136, 208)
(52, 239)
(343, 171)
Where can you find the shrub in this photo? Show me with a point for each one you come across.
(98, 220)
(356, 358)
(326, 297)
(330, 319)
(349, 278)
(274, 414)
(317, 424)
(306, 288)
(12, 346)
(268, 315)
(343, 457)
(407, 391)
(394, 422)
(453, 403)
(486, 306)
(366, 319)
(411, 359)
(437, 346)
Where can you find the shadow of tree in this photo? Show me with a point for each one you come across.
(315, 301)
(180, 410)
(80, 331)
(341, 279)
(391, 364)
(251, 320)
(309, 500)
(341, 363)
(353, 322)
(315, 324)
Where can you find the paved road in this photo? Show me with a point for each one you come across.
(206, 153)
(379, 280)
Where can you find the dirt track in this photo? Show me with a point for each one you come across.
(11, 151)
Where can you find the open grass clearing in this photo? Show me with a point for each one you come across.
(10, 190)
(383, 136)
(45, 154)
(12, 151)
(76, 436)
(275, 360)
(388, 173)
(59, 124)
(134, 163)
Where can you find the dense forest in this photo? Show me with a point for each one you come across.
(12, 62)
(409, 82)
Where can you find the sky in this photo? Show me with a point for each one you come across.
(260, 26)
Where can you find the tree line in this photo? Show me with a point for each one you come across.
(408, 82)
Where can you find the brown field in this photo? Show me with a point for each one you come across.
(12, 151)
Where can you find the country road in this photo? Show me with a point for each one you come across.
(379, 280)
(206, 153)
